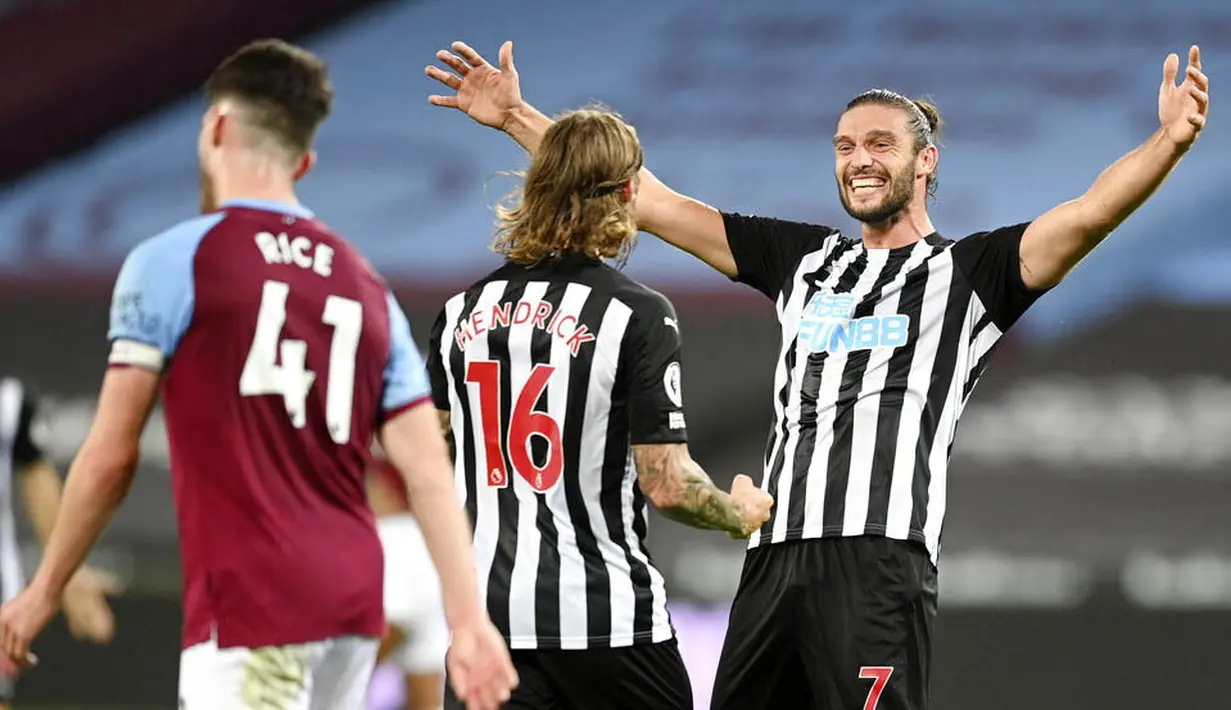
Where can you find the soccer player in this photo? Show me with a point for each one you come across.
(23, 426)
(280, 353)
(559, 378)
(417, 634)
(883, 339)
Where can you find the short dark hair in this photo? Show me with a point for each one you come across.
(285, 88)
(925, 121)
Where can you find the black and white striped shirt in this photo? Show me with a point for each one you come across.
(880, 351)
(550, 375)
(18, 449)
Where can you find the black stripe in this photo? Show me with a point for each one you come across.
(982, 323)
(837, 473)
(547, 581)
(499, 583)
(944, 369)
(897, 375)
(611, 501)
(810, 386)
(775, 469)
(976, 372)
(838, 476)
(839, 246)
(598, 581)
(778, 434)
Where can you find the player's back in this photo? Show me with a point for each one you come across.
(551, 373)
(271, 399)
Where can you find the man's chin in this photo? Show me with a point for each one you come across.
(871, 214)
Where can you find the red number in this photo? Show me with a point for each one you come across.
(486, 374)
(879, 675)
(524, 423)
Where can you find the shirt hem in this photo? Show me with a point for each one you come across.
(795, 534)
(659, 634)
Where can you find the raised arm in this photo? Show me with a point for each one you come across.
(492, 97)
(1058, 240)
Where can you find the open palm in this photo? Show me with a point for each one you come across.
(1182, 109)
(486, 93)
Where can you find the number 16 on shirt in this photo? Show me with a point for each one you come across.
(513, 445)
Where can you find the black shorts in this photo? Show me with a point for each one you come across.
(644, 677)
(830, 624)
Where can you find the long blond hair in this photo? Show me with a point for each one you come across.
(572, 198)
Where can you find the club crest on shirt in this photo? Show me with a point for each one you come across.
(671, 384)
(827, 325)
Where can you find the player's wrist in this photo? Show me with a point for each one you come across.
(466, 619)
(47, 589)
(526, 125)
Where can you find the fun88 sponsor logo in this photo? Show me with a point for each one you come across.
(827, 326)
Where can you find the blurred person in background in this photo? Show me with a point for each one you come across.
(280, 355)
(23, 432)
(883, 339)
(416, 632)
(560, 380)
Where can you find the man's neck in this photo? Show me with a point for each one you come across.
(284, 195)
(903, 229)
(256, 180)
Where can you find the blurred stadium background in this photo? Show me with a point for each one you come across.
(1087, 559)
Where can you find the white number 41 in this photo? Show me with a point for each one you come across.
(265, 375)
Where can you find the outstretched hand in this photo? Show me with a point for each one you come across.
(1182, 109)
(486, 93)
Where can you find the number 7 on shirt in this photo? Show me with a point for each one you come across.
(879, 675)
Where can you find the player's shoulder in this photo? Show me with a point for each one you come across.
(648, 307)
(774, 226)
(177, 242)
(974, 247)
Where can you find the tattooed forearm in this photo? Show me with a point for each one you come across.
(682, 491)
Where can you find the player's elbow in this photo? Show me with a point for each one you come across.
(108, 466)
(660, 473)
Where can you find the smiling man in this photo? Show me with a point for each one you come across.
(883, 339)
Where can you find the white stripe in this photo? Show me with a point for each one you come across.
(867, 408)
(946, 427)
(810, 263)
(984, 340)
(522, 580)
(931, 323)
(453, 310)
(487, 512)
(11, 580)
(606, 357)
(826, 404)
(659, 619)
(131, 352)
(788, 316)
(574, 628)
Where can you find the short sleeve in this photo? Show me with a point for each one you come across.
(152, 304)
(31, 431)
(767, 251)
(436, 365)
(656, 403)
(405, 376)
(990, 263)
